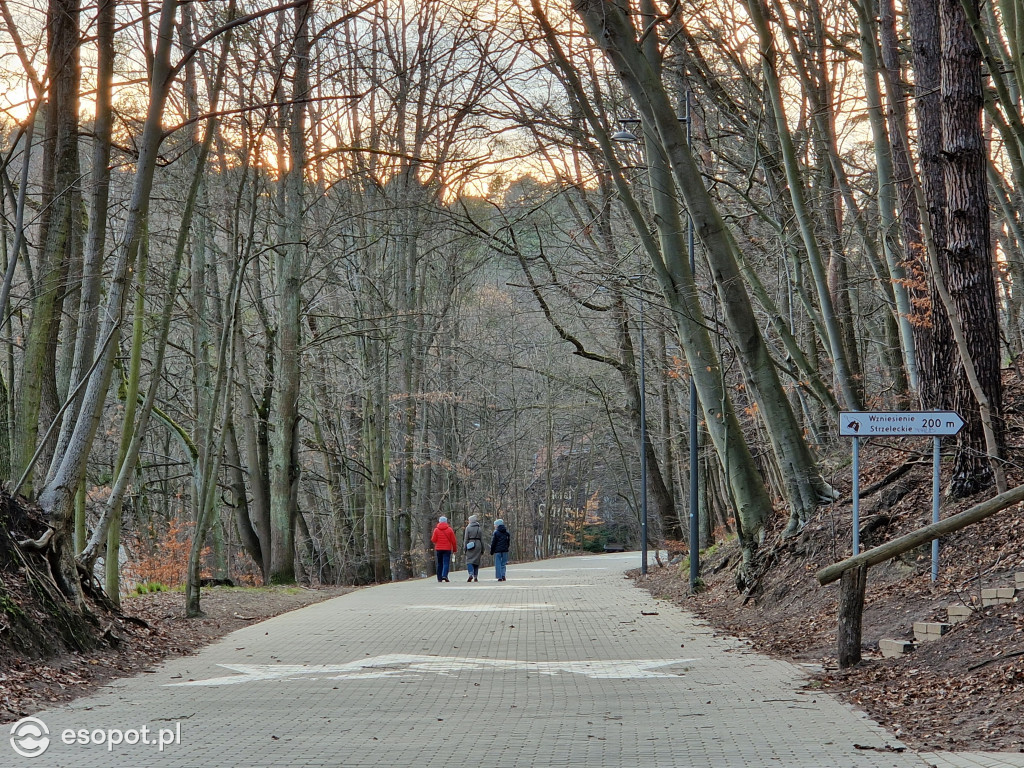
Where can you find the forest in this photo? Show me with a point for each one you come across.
(283, 284)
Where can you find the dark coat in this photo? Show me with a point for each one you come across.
(473, 534)
(500, 540)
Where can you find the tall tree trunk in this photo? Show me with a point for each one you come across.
(98, 203)
(284, 468)
(968, 252)
(57, 498)
(60, 195)
(407, 296)
(753, 505)
(609, 26)
(847, 377)
(936, 355)
(887, 192)
(112, 570)
(907, 184)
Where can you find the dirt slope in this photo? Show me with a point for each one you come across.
(963, 691)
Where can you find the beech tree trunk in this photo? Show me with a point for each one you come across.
(57, 498)
(284, 467)
(609, 26)
(60, 195)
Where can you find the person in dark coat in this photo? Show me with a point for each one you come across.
(444, 544)
(473, 540)
(500, 541)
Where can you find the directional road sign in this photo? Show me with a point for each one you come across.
(875, 423)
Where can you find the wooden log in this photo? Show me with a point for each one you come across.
(891, 549)
(851, 612)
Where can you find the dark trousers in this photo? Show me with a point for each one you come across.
(444, 562)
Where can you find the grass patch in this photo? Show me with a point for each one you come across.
(148, 587)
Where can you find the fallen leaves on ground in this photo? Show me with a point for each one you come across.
(30, 685)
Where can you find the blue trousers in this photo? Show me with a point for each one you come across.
(500, 561)
(444, 563)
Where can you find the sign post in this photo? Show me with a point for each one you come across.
(936, 424)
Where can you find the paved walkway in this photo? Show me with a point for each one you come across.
(565, 664)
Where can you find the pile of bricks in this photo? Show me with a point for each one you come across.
(957, 614)
(926, 631)
(997, 595)
(890, 648)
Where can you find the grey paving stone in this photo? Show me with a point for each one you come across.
(558, 666)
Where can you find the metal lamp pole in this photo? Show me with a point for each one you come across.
(694, 462)
(626, 136)
(643, 442)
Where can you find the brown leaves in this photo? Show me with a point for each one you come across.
(931, 698)
(28, 685)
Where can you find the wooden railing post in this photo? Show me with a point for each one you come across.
(851, 611)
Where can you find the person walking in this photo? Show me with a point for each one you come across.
(474, 548)
(444, 544)
(499, 548)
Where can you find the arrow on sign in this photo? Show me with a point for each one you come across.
(911, 423)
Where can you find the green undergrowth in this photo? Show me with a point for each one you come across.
(148, 587)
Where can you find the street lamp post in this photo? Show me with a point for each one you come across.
(643, 424)
(626, 136)
(643, 442)
(694, 459)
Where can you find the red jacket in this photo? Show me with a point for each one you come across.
(444, 537)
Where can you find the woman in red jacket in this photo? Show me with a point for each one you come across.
(444, 544)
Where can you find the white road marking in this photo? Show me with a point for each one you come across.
(396, 665)
(487, 608)
(520, 569)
